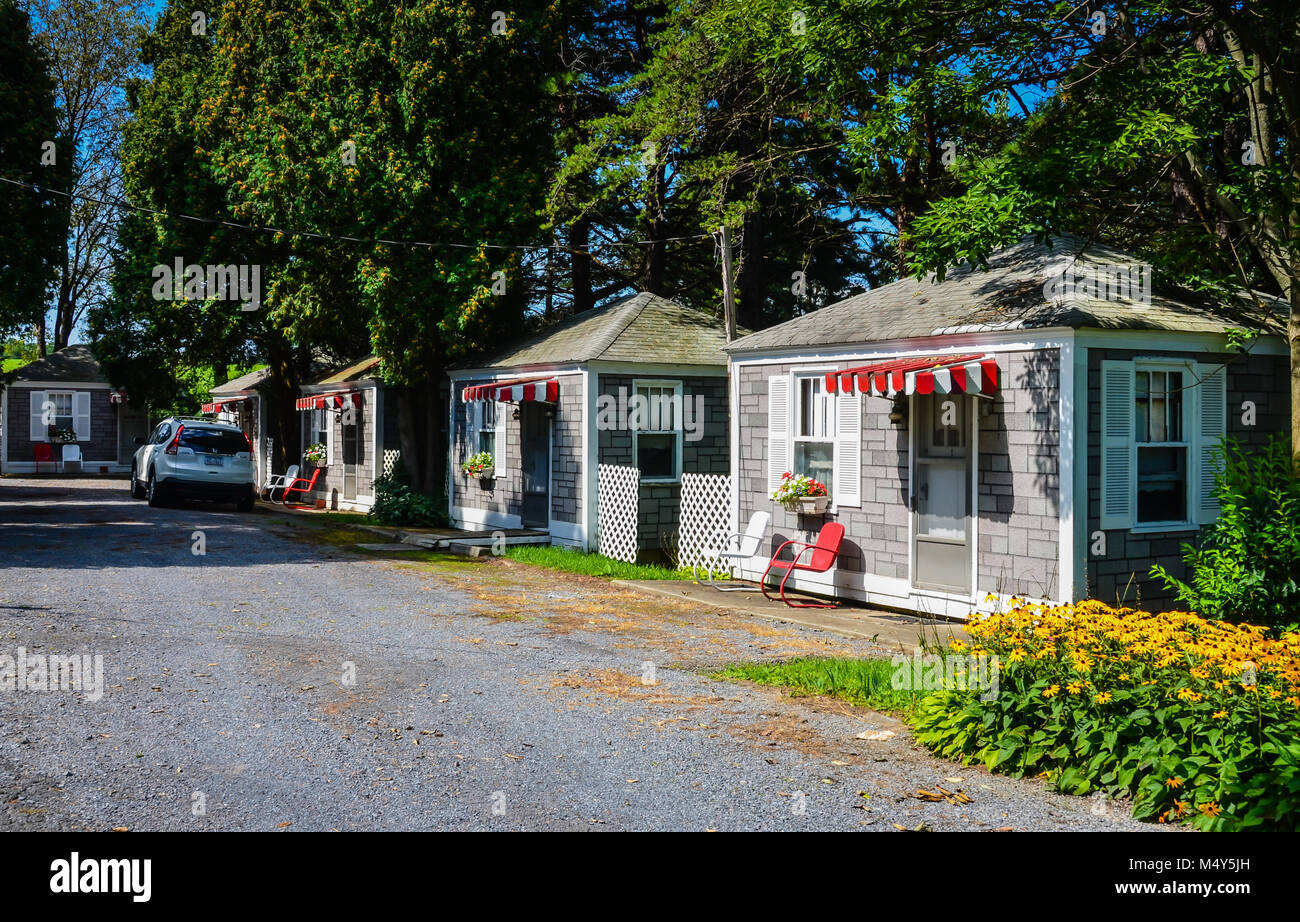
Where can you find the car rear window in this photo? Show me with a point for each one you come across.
(213, 441)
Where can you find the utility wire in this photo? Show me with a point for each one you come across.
(412, 244)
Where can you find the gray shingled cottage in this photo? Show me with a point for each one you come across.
(72, 386)
(1042, 427)
(352, 413)
(239, 403)
(553, 407)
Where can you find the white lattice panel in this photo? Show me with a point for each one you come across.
(705, 521)
(618, 489)
(392, 457)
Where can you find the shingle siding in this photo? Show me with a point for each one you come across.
(1018, 484)
(1122, 574)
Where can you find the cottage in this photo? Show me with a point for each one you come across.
(353, 416)
(1001, 431)
(239, 403)
(67, 391)
(638, 384)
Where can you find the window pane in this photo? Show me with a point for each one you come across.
(816, 459)
(805, 407)
(656, 455)
(1159, 432)
(1142, 423)
(1162, 485)
(1174, 401)
(487, 441)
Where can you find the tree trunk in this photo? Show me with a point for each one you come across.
(750, 283)
(1293, 340)
(580, 259)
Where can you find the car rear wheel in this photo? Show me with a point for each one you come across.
(152, 492)
(245, 504)
(137, 491)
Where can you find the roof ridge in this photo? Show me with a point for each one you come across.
(609, 341)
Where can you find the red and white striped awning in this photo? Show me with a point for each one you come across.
(935, 374)
(225, 403)
(339, 400)
(540, 389)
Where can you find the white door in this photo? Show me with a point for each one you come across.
(941, 500)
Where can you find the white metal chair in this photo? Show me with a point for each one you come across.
(280, 481)
(72, 455)
(737, 547)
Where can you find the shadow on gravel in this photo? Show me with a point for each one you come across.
(89, 526)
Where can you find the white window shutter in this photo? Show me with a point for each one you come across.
(778, 430)
(329, 438)
(1213, 404)
(1118, 441)
(847, 489)
(40, 425)
(81, 415)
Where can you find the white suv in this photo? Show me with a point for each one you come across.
(197, 458)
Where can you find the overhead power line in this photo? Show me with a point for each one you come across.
(313, 235)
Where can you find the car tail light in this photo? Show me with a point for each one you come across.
(175, 442)
(250, 444)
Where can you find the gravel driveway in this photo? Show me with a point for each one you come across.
(288, 679)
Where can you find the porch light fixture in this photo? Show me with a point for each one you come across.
(898, 413)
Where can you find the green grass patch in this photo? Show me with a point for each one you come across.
(573, 561)
(864, 682)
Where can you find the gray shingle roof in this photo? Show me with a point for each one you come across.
(642, 328)
(71, 363)
(243, 383)
(1008, 295)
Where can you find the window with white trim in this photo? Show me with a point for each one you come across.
(486, 436)
(656, 425)
(814, 429)
(60, 406)
(320, 427)
(1161, 433)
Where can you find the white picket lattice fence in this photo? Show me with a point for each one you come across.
(617, 491)
(392, 457)
(705, 521)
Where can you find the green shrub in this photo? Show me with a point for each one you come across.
(398, 503)
(1247, 568)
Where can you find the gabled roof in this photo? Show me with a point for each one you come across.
(643, 328)
(1008, 295)
(71, 363)
(243, 383)
(358, 371)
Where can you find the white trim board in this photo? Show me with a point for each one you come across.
(489, 518)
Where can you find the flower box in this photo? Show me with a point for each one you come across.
(812, 505)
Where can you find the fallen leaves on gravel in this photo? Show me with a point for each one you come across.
(943, 794)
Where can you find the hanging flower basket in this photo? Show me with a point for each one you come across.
(801, 493)
(480, 466)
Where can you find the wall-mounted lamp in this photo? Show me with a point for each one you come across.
(898, 413)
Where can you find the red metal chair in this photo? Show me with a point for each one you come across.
(823, 556)
(294, 488)
(43, 453)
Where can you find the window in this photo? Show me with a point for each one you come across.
(1162, 446)
(214, 441)
(943, 425)
(657, 429)
(486, 439)
(814, 429)
(320, 427)
(60, 407)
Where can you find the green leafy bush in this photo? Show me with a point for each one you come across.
(398, 503)
(1247, 568)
